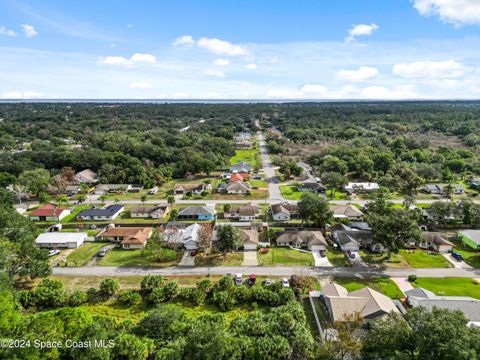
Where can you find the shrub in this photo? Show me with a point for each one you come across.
(50, 293)
(167, 292)
(91, 295)
(27, 298)
(109, 287)
(151, 282)
(129, 298)
(186, 293)
(225, 300)
(412, 278)
(77, 297)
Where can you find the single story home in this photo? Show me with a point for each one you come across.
(154, 211)
(111, 188)
(128, 237)
(471, 238)
(469, 306)
(365, 304)
(435, 241)
(439, 189)
(361, 187)
(349, 212)
(171, 233)
(191, 236)
(196, 213)
(474, 183)
(236, 187)
(49, 212)
(244, 212)
(108, 213)
(352, 240)
(312, 186)
(70, 240)
(71, 190)
(284, 211)
(249, 239)
(179, 189)
(313, 240)
(239, 177)
(87, 176)
(241, 167)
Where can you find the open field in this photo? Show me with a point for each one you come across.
(251, 156)
(285, 257)
(229, 259)
(424, 259)
(337, 257)
(450, 286)
(120, 257)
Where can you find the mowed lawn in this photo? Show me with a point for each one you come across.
(450, 286)
(471, 257)
(120, 257)
(337, 257)
(251, 156)
(422, 259)
(289, 192)
(85, 252)
(228, 259)
(380, 284)
(285, 257)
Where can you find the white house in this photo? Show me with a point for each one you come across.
(359, 187)
(71, 240)
(190, 237)
(108, 213)
(249, 239)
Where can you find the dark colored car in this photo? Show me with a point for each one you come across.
(457, 256)
(253, 279)
(351, 254)
(194, 252)
(323, 253)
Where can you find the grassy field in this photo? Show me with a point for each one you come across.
(422, 259)
(470, 256)
(119, 257)
(258, 183)
(229, 259)
(251, 156)
(289, 192)
(285, 257)
(74, 213)
(338, 195)
(85, 252)
(450, 286)
(380, 284)
(337, 257)
(396, 261)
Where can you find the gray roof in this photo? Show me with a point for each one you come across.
(437, 238)
(470, 307)
(108, 211)
(420, 293)
(356, 236)
(241, 167)
(196, 210)
(471, 234)
(312, 185)
(360, 226)
(238, 186)
(303, 236)
(284, 207)
(148, 209)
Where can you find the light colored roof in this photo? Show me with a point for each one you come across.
(249, 236)
(284, 207)
(471, 234)
(191, 233)
(125, 231)
(238, 186)
(345, 308)
(60, 237)
(363, 185)
(196, 210)
(87, 174)
(436, 238)
(148, 209)
(189, 187)
(420, 293)
(333, 289)
(303, 236)
(469, 306)
(345, 211)
(377, 302)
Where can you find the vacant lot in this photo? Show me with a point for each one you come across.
(450, 286)
(289, 192)
(424, 259)
(337, 257)
(251, 156)
(285, 257)
(119, 257)
(229, 259)
(84, 253)
(380, 284)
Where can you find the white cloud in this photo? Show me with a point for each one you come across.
(115, 60)
(431, 69)
(185, 40)
(251, 66)
(29, 31)
(284, 93)
(361, 30)
(21, 95)
(457, 12)
(214, 73)
(381, 92)
(314, 89)
(222, 47)
(361, 74)
(147, 58)
(141, 85)
(221, 62)
(8, 32)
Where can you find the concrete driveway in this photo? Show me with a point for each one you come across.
(250, 258)
(320, 261)
(456, 264)
(403, 284)
(357, 261)
(187, 260)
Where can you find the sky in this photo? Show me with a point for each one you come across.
(240, 49)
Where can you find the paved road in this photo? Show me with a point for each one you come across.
(264, 270)
(273, 182)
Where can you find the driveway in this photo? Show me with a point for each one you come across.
(187, 260)
(357, 261)
(250, 258)
(320, 261)
(456, 264)
(403, 284)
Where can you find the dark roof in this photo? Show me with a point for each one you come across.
(108, 211)
(196, 210)
(357, 236)
(312, 186)
(284, 207)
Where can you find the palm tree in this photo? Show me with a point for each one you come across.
(103, 198)
(62, 199)
(448, 190)
(82, 198)
(174, 214)
(143, 198)
(171, 200)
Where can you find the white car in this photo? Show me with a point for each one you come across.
(285, 283)
(238, 279)
(53, 252)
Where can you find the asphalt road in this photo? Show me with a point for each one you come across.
(273, 183)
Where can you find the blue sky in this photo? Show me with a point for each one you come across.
(240, 49)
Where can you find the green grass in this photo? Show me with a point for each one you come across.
(380, 284)
(251, 156)
(285, 257)
(471, 257)
(450, 286)
(229, 259)
(120, 257)
(73, 215)
(337, 257)
(289, 192)
(422, 259)
(339, 195)
(396, 260)
(85, 252)
(258, 183)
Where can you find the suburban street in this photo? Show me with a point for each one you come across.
(273, 183)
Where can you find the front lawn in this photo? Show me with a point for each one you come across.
(258, 183)
(396, 261)
(251, 156)
(285, 257)
(85, 252)
(229, 259)
(338, 195)
(380, 284)
(120, 257)
(422, 259)
(472, 257)
(289, 192)
(450, 286)
(73, 215)
(337, 257)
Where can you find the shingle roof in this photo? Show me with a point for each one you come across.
(108, 211)
(436, 238)
(333, 289)
(196, 210)
(87, 174)
(249, 236)
(303, 236)
(356, 236)
(188, 187)
(345, 211)
(284, 207)
(471, 234)
(238, 186)
(148, 209)
(48, 210)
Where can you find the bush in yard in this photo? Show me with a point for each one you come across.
(27, 298)
(109, 287)
(412, 278)
(225, 300)
(243, 293)
(91, 295)
(171, 290)
(77, 298)
(204, 193)
(50, 293)
(199, 296)
(225, 283)
(151, 282)
(285, 295)
(166, 323)
(187, 293)
(129, 298)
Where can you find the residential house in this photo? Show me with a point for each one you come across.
(191, 236)
(474, 183)
(471, 238)
(249, 239)
(87, 176)
(70, 240)
(361, 187)
(312, 186)
(244, 212)
(49, 212)
(103, 189)
(154, 211)
(172, 233)
(97, 214)
(352, 240)
(365, 304)
(128, 237)
(243, 140)
(349, 212)
(196, 213)
(313, 240)
(179, 189)
(237, 187)
(239, 177)
(469, 306)
(284, 211)
(136, 188)
(439, 189)
(241, 167)
(71, 190)
(435, 241)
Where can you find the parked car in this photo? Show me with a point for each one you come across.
(257, 178)
(252, 279)
(102, 252)
(53, 252)
(285, 283)
(267, 282)
(194, 252)
(323, 253)
(457, 256)
(238, 279)
(351, 254)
